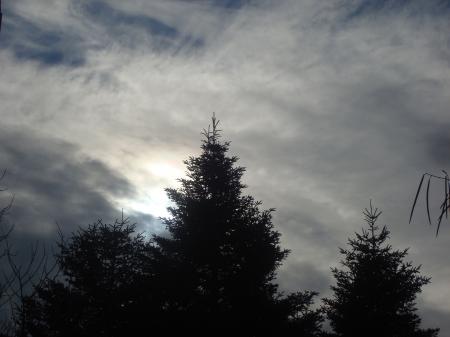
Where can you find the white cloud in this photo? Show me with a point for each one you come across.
(325, 110)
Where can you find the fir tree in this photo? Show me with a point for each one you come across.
(104, 288)
(223, 251)
(212, 275)
(376, 290)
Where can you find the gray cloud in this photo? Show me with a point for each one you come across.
(52, 182)
(434, 318)
(329, 105)
(304, 276)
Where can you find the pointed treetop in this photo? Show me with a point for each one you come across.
(212, 134)
(371, 215)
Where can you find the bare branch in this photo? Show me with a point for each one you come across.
(445, 204)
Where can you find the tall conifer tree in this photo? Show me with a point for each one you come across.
(223, 250)
(212, 275)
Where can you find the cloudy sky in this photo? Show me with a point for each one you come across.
(328, 103)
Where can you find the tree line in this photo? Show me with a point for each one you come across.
(213, 273)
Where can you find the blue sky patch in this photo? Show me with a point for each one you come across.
(54, 46)
(103, 13)
(29, 41)
(411, 7)
(123, 25)
(234, 4)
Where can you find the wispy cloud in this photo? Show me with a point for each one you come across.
(51, 182)
(328, 104)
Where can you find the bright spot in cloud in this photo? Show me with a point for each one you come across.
(152, 199)
(166, 172)
(153, 202)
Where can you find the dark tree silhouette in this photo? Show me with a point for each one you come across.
(302, 319)
(222, 252)
(376, 290)
(212, 274)
(104, 288)
(18, 275)
(6, 306)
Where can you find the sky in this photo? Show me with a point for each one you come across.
(328, 104)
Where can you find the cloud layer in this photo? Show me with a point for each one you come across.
(328, 104)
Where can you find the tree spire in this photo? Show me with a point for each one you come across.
(371, 215)
(212, 134)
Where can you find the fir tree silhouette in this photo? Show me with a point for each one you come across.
(376, 290)
(104, 288)
(223, 251)
(213, 273)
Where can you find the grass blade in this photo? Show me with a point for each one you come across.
(415, 199)
(446, 197)
(428, 200)
(439, 223)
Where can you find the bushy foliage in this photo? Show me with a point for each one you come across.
(212, 273)
(224, 249)
(103, 288)
(375, 291)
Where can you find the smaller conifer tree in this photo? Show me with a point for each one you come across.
(104, 287)
(376, 290)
